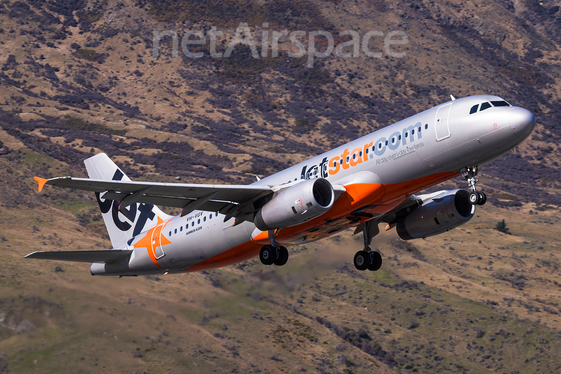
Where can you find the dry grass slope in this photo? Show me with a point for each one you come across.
(78, 77)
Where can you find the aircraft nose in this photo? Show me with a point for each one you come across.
(522, 121)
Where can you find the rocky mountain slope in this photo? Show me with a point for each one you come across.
(80, 77)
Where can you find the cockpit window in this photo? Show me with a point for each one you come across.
(474, 109)
(500, 103)
(485, 106)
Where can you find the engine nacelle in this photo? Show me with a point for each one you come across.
(300, 203)
(437, 215)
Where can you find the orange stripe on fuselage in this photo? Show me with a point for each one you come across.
(382, 197)
(408, 188)
(232, 256)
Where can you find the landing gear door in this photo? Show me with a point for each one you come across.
(441, 122)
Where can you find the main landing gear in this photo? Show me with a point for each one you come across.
(274, 253)
(367, 258)
(475, 198)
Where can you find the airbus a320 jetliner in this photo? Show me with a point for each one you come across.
(360, 184)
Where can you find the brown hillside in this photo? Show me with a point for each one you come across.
(78, 77)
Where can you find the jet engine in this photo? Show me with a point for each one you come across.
(439, 214)
(300, 203)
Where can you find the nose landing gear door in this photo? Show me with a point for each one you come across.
(441, 122)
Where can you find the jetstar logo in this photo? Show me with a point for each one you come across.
(138, 214)
(153, 240)
(349, 159)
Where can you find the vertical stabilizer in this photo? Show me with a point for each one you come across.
(129, 222)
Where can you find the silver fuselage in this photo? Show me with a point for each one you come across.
(439, 141)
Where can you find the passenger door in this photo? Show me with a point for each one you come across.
(157, 242)
(441, 122)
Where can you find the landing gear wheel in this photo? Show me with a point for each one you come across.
(268, 255)
(375, 261)
(362, 260)
(474, 198)
(282, 256)
(482, 198)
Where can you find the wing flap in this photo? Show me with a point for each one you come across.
(102, 256)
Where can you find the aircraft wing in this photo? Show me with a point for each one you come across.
(227, 199)
(82, 256)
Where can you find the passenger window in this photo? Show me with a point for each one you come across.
(192, 223)
(170, 233)
(204, 219)
(500, 103)
(175, 231)
(386, 142)
(474, 109)
(413, 132)
(399, 138)
(181, 228)
(426, 126)
(199, 221)
(419, 129)
(485, 106)
(406, 134)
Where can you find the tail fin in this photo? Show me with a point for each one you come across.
(129, 222)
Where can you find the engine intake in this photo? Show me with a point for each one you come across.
(300, 203)
(437, 215)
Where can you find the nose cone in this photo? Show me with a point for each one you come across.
(522, 122)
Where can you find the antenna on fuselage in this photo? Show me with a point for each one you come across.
(452, 97)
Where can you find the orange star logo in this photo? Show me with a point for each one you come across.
(153, 239)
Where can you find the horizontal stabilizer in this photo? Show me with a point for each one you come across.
(103, 256)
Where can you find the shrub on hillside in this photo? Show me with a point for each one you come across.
(501, 227)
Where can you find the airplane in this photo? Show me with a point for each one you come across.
(359, 185)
